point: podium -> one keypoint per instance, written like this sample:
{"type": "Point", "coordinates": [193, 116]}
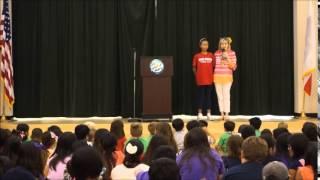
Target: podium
{"type": "Point", "coordinates": [156, 73]}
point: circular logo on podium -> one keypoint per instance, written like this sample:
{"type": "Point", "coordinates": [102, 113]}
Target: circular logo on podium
{"type": "Point", "coordinates": [156, 66]}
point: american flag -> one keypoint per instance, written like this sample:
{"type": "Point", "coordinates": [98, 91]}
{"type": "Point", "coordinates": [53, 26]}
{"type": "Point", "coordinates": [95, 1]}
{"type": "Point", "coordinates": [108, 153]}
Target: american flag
{"type": "Point", "coordinates": [6, 53]}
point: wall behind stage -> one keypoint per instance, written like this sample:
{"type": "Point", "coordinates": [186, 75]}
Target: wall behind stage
{"type": "Point", "coordinates": [74, 57]}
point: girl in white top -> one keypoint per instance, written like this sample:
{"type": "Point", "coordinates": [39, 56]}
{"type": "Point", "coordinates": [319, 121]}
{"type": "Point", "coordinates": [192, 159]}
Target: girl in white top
{"type": "Point", "coordinates": [131, 165]}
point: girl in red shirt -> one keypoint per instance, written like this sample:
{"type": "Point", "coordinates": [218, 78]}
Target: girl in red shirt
{"type": "Point", "coordinates": [202, 66]}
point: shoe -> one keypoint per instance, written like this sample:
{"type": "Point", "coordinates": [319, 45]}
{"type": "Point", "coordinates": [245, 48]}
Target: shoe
{"type": "Point", "coordinates": [199, 116]}
{"type": "Point", "coordinates": [208, 116]}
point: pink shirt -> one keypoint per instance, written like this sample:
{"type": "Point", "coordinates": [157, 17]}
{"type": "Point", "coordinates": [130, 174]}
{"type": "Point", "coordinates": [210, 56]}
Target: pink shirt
{"type": "Point", "coordinates": [223, 73]}
{"type": "Point", "coordinates": [60, 168]}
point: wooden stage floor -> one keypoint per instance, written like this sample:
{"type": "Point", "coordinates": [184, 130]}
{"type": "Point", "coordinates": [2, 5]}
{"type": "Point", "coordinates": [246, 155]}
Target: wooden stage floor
{"type": "Point", "coordinates": [215, 127]}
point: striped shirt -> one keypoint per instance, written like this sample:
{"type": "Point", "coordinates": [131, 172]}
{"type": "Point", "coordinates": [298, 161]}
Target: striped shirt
{"type": "Point", "coordinates": [223, 72]}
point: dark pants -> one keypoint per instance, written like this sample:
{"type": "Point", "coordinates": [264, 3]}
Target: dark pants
{"type": "Point", "coordinates": [204, 96]}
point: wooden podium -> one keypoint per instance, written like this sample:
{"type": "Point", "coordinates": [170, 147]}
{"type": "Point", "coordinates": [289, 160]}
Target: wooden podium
{"type": "Point", "coordinates": [156, 73]}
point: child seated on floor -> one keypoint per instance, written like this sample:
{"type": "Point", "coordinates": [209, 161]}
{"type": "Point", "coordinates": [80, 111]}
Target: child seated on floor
{"type": "Point", "coordinates": [204, 125]}
{"type": "Point", "coordinates": [136, 133]}
{"type": "Point", "coordinates": [223, 140]}
{"type": "Point", "coordinates": [256, 123]}
{"type": "Point", "coordinates": [152, 131]}
{"type": "Point", "coordinates": [179, 133]}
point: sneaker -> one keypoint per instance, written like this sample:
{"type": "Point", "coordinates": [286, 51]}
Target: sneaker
{"type": "Point", "coordinates": [199, 116]}
{"type": "Point", "coordinates": [208, 116]}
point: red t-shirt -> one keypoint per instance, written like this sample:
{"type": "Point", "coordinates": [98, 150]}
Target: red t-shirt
{"type": "Point", "coordinates": [204, 68]}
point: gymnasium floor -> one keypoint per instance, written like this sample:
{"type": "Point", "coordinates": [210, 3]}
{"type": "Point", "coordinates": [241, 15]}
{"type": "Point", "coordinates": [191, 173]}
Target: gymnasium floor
{"type": "Point", "coordinates": [215, 127]}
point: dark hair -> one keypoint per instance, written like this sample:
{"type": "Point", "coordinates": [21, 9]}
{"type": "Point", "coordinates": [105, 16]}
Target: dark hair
{"type": "Point", "coordinates": [63, 149]}
{"type": "Point", "coordinates": [4, 135]}
{"type": "Point", "coordinates": [178, 124]}
{"type": "Point", "coordinates": [165, 130]}
{"type": "Point", "coordinates": [136, 129]}
{"type": "Point", "coordinates": [5, 165]}
{"type": "Point", "coordinates": [299, 143]}
{"type": "Point", "coordinates": [56, 130]}
{"type": "Point", "coordinates": [310, 130]}
{"type": "Point", "coordinates": [311, 157]}
{"type": "Point", "coordinates": [202, 40]}
{"type": "Point", "coordinates": [203, 123]}
{"type": "Point", "coordinates": [241, 127]}
{"type": "Point", "coordinates": [163, 169]}
{"type": "Point", "coordinates": [36, 134]}
{"type": "Point", "coordinates": [164, 151]}
{"type": "Point", "coordinates": [266, 132]}
{"type": "Point", "coordinates": [30, 158]}
{"type": "Point", "coordinates": [234, 144]}
{"type": "Point", "coordinates": [282, 144]}
{"type": "Point", "coordinates": [278, 131]}
{"type": "Point", "coordinates": [85, 163]}
{"type": "Point", "coordinates": [117, 129]}
{"type": "Point", "coordinates": [81, 131]}
{"type": "Point", "coordinates": [132, 159]}
{"type": "Point", "coordinates": [105, 143]}
{"type": "Point", "coordinates": [155, 142]}
{"type": "Point", "coordinates": [47, 139]}
{"type": "Point", "coordinates": [255, 122]}
{"type": "Point", "coordinates": [23, 131]}
{"type": "Point", "coordinates": [196, 144]}
{"type": "Point", "coordinates": [192, 124]}
{"type": "Point", "coordinates": [247, 131]}
{"type": "Point", "coordinates": [254, 149]}
{"type": "Point", "coordinates": [269, 140]}
{"type": "Point", "coordinates": [229, 125]}
{"type": "Point", "coordinates": [12, 147]}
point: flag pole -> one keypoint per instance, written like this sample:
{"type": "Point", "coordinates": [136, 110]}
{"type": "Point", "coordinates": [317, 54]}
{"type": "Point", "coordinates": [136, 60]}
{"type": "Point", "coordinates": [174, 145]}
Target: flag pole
{"type": "Point", "coordinates": [303, 114]}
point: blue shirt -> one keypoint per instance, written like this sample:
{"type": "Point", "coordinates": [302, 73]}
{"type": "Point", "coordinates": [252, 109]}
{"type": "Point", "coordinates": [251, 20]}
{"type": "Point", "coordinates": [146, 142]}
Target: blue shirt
{"type": "Point", "coordinates": [143, 175]}
{"type": "Point", "coordinates": [194, 169]}
{"type": "Point", "coordinates": [245, 171]}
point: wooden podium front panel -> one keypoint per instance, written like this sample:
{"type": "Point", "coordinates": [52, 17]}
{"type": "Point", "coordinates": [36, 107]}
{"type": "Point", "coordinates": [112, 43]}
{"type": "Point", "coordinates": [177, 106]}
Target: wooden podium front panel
{"type": "Point", "coordinates": [156, 97]}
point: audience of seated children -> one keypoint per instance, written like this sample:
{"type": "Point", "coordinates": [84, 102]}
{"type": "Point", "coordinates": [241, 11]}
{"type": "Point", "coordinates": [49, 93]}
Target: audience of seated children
{"type": "Point", "coordinates": [57, 163]}
{"type": "Point", "coordinates": [155, 143]}
{"type": "Point", "coordinates": [297, 147]}
{"type": "Point", "coordinates": [92, 127]}
{"type": "Point", "coordinates": [136, 133]}
{"type": "Point", "coordinates": [163, 151]}
{"type": "Point", "coordinates": [132, 162]}
{"type": "Point", "coordinates": [164, 129]}
{"type": "Point", "coordinates": [192, 124]}
{"type": "Point", "coordinates": [256, 123]}
{"type": "Point", "coordinates": [271, 148]}
{"type": "Point", "coordinates": [282, 152]}
{"type": "Point", "coordinates": [54, 154]}
{"type": "Point", "coordinates": [22, 130]}
{"type": "Point", "coordinates": [247, 131]}
{"type": "Point", "coordinates": [228, 131]}
{"type": "Point", "coordinates": [309, 170]}
{"type": "Point", "coordinates": [82, 132]}
{"type": "Point", "coordinates": [233, 157]}
{"type": "Point", "coordinates": [49, 142]}
{"type": "Point", "coordinates": [117, 129]}
{"type": "Point", "coordinates": [204, 125]}
{"type": "Point", "coordinates": [179, 132]}
{"type": "Point", "coordinates": [254, 150]}
{"type": "Point", "coordinates": [275, 170]}
{"type": "Point", "coordinates": [198, 160]}
{"type": "Point", "coordinates": [36, 137]}
{"type": "Point", "coordinates": [85, 164]}
{"type": "Point", "coordinates": [152, 132]}
{"type": "Point", "coordinates": [310, 130]}
{"type": "Point", "coordinates": [163, 169]}
{"type": "Point", "coordinates": [105, 143]}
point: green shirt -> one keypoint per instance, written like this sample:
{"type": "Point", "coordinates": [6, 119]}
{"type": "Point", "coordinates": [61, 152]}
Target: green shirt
{"type": "Point", "coordinates": [223, 141]}
{"type": "Point", "coordinates": [258, 133]}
